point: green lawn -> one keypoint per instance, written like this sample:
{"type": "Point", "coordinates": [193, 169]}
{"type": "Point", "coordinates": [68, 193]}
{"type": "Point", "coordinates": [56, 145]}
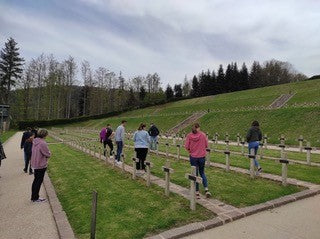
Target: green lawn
{"type": "Point", "coordinates": [126, 208]}
{"type": "Point", "coordinates": [6, 135]}
{"type": "Point", "coordinates": [233, 188]}
{"type": "Point", "coordinates": [292, 122]}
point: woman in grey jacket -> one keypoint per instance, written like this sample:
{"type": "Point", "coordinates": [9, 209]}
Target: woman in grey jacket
{"type": "Point", "coordinates": [141, 140]}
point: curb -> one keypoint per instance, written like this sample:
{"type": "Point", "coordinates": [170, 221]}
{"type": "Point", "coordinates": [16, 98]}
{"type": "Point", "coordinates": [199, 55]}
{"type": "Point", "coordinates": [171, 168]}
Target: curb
{"type": "Point", "coordinates": [63, 226]}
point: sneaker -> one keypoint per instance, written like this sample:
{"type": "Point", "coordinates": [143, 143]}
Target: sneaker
{"type": "Point", "coordinates": [198, 195]}
{"type": "Point", "coordinates": [119, 162]}
{"type": "Point", "coordinates": [208, 194]}
{"type": "Point", "coordinates": [40, 200]}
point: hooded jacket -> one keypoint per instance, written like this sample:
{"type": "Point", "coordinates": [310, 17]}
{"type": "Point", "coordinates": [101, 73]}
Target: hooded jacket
{"type": "Point", "coordinates": [254, 134]}
{"type": "Point", "coordinates": [40, 154]}
{"type": "Point", "coordinates": [196, 144]}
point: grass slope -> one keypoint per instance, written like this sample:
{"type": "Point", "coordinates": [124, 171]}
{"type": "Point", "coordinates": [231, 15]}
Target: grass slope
{"type": "Point", "coordinates": [126, 208]}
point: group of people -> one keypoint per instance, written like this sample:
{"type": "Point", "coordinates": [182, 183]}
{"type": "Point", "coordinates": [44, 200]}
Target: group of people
{"type": "Point", "coordinates": [196, 143]}
{"type": "Point", "coordinates": [36, 155]}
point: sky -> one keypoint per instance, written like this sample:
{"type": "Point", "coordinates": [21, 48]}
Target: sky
{"type": "Point", "coordinates": [171, 37]}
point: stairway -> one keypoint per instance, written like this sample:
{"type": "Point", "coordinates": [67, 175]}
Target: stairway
{"type": "Point", "coordinates": [185, 123]}
{"type": "Point", "coordinates": [280, 101]}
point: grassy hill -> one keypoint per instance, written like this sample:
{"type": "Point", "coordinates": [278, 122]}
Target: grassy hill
{"type": "Point", "coordinates": [233, 113]}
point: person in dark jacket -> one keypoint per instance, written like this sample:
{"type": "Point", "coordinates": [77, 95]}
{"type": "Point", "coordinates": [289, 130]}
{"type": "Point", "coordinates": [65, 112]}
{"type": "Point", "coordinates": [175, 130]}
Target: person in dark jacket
{"type": "Point", "coordinates": [2, 154]}
{"type": "Point", "coordinates": [35, 131]}
{"type": "Point", "coordinates": [108, 139]}
{"type": "Point", "coordinates": [26, 134]}
{"type": "Point", "coordinates": [254, 135]}
{"type": "Point", "coordinates": [28, 152]}
{"type": "Point", "coordinates": [153, 132]}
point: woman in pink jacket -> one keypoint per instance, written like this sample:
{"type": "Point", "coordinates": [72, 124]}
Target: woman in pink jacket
{"type": "Point", "coordinates": [39, 162]}
{"type": "Point", "coordinates": [196, 144]}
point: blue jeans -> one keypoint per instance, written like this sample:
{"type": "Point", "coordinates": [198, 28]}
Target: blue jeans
{"type": "Point", "coordinates": [153, 142]}
{"type": "Point", "coordinates": [119, 150]}
{"type": "Point", "coordinates": [199, 163]}
{"type": "Point", "coordinates": [254, 145]}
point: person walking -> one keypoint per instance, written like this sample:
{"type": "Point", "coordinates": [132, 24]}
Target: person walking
{"type": "Point", "coordinates": [196, 144]}
{"type": "Point", "coordinates": [254, 136]}
{"type": "Point", "coordinates": [34, 130]}
{"type": "Point", "coordinates": [108, 139]}
{"type": "Point", "coordinates": [39, 162]}
{"type": "Point", "coordinates": [26, 134]}
{"type": "Point", "coordinates": [28, 152]}
{"type": "Point", "coordinates": [141, 141]}
{"type": "Point", "coordinates": [119, 137]}
{"type": "Point", "coordinates": [153, 132]}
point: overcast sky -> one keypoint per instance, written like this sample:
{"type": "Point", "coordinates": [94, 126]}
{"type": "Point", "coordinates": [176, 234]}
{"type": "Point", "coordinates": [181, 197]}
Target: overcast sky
{"type": "Point", "coordinates": [173, 37]}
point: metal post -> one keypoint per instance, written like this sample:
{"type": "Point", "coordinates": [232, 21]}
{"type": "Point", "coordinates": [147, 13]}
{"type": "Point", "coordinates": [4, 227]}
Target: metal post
{"type": "Point", "coordinates": [94, 214]}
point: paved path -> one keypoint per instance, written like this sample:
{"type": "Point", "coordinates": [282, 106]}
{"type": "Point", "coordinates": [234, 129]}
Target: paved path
{"type": "Point", "coordinates": [19, 217]}
{"type": "Point", "coordinates": [298, 220]}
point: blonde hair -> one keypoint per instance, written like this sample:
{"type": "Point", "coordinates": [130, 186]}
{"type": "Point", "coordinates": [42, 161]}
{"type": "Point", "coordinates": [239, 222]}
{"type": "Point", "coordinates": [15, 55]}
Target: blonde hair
{"type": "Point", "coordinates": [42, 133]}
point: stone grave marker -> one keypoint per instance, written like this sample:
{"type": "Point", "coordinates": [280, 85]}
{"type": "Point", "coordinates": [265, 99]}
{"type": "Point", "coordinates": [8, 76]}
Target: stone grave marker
{"type": "Point", "coordinates": [178, 151]}
{"type": "Point", "coordinates": [193, 180]}
{"type": "Point", "coordinates": [300, 143]}
{"type": "Point", "coordinates": [308, 149]}
{"type": "Point", "coordinates": [208, 156]}
{"type": "Point", "coordinates": [167, 171]}
{"type": "Point", "coordinates": [252, 157]}
{"type": "Point", "coordinates": [284, 163]}
{"type": "Point", "coordinates": [227, 153]}
{"type": "Point", "coordinates": [134, 169]}
{"type": "Point", "coordinates": [265, 139]}
{"type": "Point", "coordinates": [149, 165]}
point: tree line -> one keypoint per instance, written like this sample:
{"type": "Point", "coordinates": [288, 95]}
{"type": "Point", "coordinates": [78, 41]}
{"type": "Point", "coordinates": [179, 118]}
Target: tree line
{"type": "Point", "coordinates": [232, 79]}
{"type": "Point", "coordinates": [45, 88]}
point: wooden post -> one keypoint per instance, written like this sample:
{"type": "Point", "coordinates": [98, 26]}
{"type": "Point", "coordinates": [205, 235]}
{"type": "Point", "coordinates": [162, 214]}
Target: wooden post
{"type": "Point", "coordinates": [227, 153]}
{"type": "Point", "coordinates": [238, 139]}
{"type": "Point", "coordinates": [282, 146]}
{"type": "Point", "coordinates": [157, 149]}
{"type": "Point", "coordinates": [94, 214]}
{"type": "Point", "coordinates": [167, 170]}
{"type": "Point", "coordinates": [261, 150]}
{"type": "Point", "coordinates": [242, 146]}
{"type": "Point", "coordinates": [178, 151]}
{"type": "Point", "coordinates": [193, 180]}
{"type": "Point", "coordinates": [284, 163]}
{"type": "Point", "coordinates": [300, 143]}
{"type": "Point", "coordinates": [123, 161]}
{"type": "Point", "coordinates": [208, 157]}
{"type": "Point", "coordinates": [227, 144]}
{"type": "Point", "coordinates": [265, 138]}
{"type": "Point", "coordinates": [167, 150]}
{"type": "Point", "coordinates": [148, 166]}
{"type": "Point", "coordinates": [282, 139]}
{"type": "Point", "coordinates": [308, 149]}
{"type": "Point", "coordinates": [134, 169]}
{"type": "Point", "coordinates": [216, 137]}
{"type": "Point", "coordinates": [252, 157]}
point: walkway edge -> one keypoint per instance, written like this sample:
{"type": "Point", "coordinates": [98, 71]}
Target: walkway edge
{"type": "Point", "coordinates": [63, 226]}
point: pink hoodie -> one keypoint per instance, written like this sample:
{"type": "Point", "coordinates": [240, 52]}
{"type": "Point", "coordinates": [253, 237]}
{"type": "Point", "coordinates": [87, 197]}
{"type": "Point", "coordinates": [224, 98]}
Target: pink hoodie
{"type": "Point", "coordinates": [40, 154]}
{"type": "Point", "coordinates": [196, 144]}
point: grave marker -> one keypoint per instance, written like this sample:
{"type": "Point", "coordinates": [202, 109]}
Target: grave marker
{"type": "Point", "coordinates": [227, 153]}
{"type": "Point", "coordinates": [227, 144]}
{"type": "Point", "coordinates": [282, 139]}
{"type": "Point", "coordinates": [265, 138]}
{"type": "Point", "coordinates": [300, 143]}
{"type": "Point", "coordinates": [134, 169]}
{"type": "Point", "coordinates": [167, 150]}
{"type": "Point", "coordinates": [261, 149]}
{"type": "Point", "coordinates": [216, 137]}
{"type": "Point", "coordinates": [242, 146]}
{"type": "Point", "coordinates": [284, 163]}
{"type": "Point", "coordinates": [308, 149]}
{"type": "Point", "coordinates": [238, 139]}
{"type": "Point", "coordinates": [148, 167]}
{"type": "Point", "coordinates": [208, 156]}
{"type": "Point", "coordinates": [193, 180]}
{"type": "Point", "coordinates": [167, 170]}
{"type": "Point", "coordinates": [178, 151]}
{"type": "Point", "coordinates": [282, 146]}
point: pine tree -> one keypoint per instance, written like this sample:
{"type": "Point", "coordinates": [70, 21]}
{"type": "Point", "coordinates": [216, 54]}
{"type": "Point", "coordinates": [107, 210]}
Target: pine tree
{"type": "Point", "coordinates": [195, 87]}
{"type": "Point", "coordinates": [228, 79]}
{"type": "Point", "coordinates": [169, 92]}
{"type": "Point", "coordinates": [244, 78]}
{"type": "Point", "coordinates": [10, 68]}
{"type": "Point", "coordinates": [178, 90]}
{"type": "Point", "coordinates": [142, 93]}
{"type": "Point", "coordinates": [255, 77]}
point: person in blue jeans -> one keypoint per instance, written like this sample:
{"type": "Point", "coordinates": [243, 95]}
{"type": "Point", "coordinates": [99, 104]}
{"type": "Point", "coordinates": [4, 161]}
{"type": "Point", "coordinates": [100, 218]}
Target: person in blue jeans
{"type": "Point", "coordinates": [119, 137]}
{"type": "Point", "coordinates": [254, 136]}
{"type": "Point", "coordinates": [196, 144]}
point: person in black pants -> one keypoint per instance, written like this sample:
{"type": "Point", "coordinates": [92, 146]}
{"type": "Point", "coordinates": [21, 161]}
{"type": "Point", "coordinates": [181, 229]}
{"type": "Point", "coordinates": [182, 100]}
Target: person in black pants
{"type": "Point", "coordinates": [39, 162]}
{"type": "Point", "coordinates": [141, 140]}
{"type": "Point", "coordinates": [28, 151]}
{"type": "Point", "coordinates": [108, 139]}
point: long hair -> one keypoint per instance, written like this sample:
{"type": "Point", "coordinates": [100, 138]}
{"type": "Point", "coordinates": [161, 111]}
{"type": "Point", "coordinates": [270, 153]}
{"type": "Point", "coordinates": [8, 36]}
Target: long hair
{"type": "Point", "coordinates": [195, 127]}
{"type": "Point", "coordinates": [141, 126]}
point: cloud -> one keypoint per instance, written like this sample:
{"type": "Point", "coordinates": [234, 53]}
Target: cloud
{"type": "Point", "coordinates": [173, 37]}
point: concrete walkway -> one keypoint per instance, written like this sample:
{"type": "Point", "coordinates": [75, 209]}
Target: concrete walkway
{"type": "Point", "coordinates": [19, 217]}
{"type": "Point", "coordinates": [298, 220]}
